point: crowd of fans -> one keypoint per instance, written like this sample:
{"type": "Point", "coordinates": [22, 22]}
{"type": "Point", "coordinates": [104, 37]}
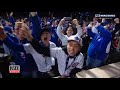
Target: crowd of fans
{"type": "Point", "coordinates": [47, 47]}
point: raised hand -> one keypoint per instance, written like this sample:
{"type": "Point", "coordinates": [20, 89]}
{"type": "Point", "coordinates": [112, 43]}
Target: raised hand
{"type": "Point", "coordinates": [62, 22]}
{"type": "Point", "coordinates": [18, 25]}
{"type": "Point", "coordinates": [90, 25]}
{"type": "Point", "coordinates": [33, 13]}
{"type": "Point", "coordinates": [26, 34]}
{"type": "Point", "coordinates": [103, 20]}
{"type": "Point", "coordinates": [75, 21]}
{"type": "Point", "coordinates": [11, 14]}
{"type": "Point", "coordinates": [96, 24]}
{"type": "Point", "coordinates": [2, 34]}
{"type": "Point", "coordinates": [116, 20]}
{"type": "Point", "coordinates": [1, 30]}
{"type": "Point", "coordinates": [24, 26]}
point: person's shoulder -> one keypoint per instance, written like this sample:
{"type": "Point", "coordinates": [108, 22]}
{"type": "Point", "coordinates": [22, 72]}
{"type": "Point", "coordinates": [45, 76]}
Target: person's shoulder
{"type": "Point", "coordinates": [52, 43]}
{"type": "Point", "coordinates": [27, 44]}
{"type": "Point", "coordinates": [81, 55]}
{"type": "Point", "coordinates": [66, 36]}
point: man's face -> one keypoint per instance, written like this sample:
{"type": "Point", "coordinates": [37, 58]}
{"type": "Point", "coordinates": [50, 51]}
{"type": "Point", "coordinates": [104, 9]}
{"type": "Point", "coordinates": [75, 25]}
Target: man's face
{"type": "Point", "coordinates": [56, 23]}
{"type": "Point", "coordinates": [45, 37]}
{"type": "Point", "coordinates": [18, 29]}
{"type": "Point", "coordinates": [53, 23]}
{"type": "Point", "coordinates": [95, 19]}
{"type": "Point", "coordinates": [18, 33]}
{"type": "Point", "coordinates": [69, 31]}
{"type": "Point", "coordinates": [108, 26]}
{"type": "Point", "coordinates": [72, 48]}
{"type": "Point", "coordinates": [18, 26]}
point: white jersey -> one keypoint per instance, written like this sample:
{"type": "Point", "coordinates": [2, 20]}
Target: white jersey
{"type": "Point", "coordinates": [64, 38]}
{"type": "Point", "coordinates": [61, 59]}
{"type": "Point", "coordinates": [43, 63]}
{"type": "Point", "coordinates": [94, 30]}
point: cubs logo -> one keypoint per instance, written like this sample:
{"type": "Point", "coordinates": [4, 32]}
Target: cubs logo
{"type": "Point", "coordinates": [76, 38]}
{"type": "Point", "coordinates": [75, 64]}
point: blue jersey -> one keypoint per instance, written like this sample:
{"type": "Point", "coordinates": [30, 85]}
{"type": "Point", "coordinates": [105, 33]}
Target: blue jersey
{"type": "Point", "coordinates": [98, 45]}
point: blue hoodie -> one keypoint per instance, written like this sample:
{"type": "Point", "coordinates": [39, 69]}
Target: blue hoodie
{"type": "Point", "coordinates": [98, 45]}
{"type": "Point", "coordinates": [36, 27]}
{"type": "Point", "coordinates": [26, 61]}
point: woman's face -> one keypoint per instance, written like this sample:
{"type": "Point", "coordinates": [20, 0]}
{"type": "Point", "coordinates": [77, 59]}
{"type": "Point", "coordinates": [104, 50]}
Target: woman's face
{"type": "Point", "coordinates": [69, 31]}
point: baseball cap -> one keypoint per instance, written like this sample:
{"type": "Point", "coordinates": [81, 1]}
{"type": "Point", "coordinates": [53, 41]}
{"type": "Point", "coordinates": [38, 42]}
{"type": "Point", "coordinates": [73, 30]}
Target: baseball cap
{"type": "Point", "coordinates": [44, 30]}
{"type": "Point", "coordinates": [75, 38]}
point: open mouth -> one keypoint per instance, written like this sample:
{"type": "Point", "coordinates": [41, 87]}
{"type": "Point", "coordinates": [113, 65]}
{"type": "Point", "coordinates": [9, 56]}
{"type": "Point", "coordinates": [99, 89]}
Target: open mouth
{"type": "Point", "coordinates": [45, 38]}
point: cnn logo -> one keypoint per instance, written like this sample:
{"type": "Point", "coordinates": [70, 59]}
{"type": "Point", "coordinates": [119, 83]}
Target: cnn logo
{"type": "Point", "coordinates": [14, 69]}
